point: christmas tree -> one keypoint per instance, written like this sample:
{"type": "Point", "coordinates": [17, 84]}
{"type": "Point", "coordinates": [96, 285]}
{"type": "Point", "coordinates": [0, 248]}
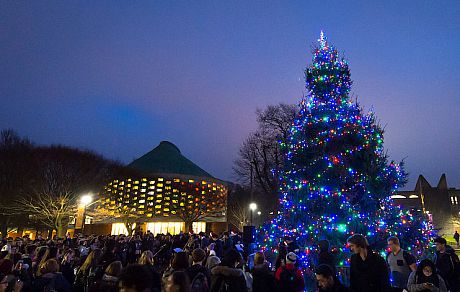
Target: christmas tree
{"type": "Point", "coordinates": [337, 179]}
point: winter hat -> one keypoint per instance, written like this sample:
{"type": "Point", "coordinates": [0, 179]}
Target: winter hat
{"type": "Point", "coordinates": [291, 258]}
{"type": "Point", "coordinates": [212, 262]}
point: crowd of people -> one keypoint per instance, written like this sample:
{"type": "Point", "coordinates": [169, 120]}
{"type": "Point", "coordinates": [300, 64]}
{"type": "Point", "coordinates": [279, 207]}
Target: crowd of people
{"type": "Point", "coordinates": [210, 263]}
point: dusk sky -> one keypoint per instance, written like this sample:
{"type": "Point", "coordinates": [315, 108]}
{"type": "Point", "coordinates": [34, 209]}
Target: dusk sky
{"type": "Point", "coordinates": [119, 78]}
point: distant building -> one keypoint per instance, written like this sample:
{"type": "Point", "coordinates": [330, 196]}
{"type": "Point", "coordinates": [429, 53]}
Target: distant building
{"type": "Point", "coordinates": [441, 203]}
{"type": "Point", "coordinates": [168, 188]}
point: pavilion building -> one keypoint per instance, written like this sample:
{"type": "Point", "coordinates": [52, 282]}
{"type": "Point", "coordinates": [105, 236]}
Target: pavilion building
{"type": "Point", "coordinates": [170, 195]}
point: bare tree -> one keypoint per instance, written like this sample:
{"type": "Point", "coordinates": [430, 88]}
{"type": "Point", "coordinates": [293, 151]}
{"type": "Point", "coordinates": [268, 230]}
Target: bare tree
{"type": "Point", "coordinates": [194, 206]}
{"type": "Point", "coordinates": [62, 175]}
{"type": "Point", "coordinates": [122, 213]}
{"type": "Point", "coordinates": [261, 156]}
{"type": "Point", "coordinates": [238, 214]}
{"type": "Point", "coordinates": [15, 173]}
{"type": "Point", "coordinates": [238, 206]}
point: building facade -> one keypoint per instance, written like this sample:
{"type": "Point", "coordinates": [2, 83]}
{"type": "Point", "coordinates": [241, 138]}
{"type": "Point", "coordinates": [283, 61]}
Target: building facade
{"type": "Point", "coordinates": [441, 203]}
{"type": "Point", "coordinates": [171, 194]}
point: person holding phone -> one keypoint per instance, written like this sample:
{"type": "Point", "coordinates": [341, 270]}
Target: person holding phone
{"type": "Point", "coordinates": [425, 278]}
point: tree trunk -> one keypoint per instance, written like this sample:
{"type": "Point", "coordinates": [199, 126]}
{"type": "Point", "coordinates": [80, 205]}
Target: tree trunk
{"type": "Point", "coordinates": [4, 226]}
{"type": "Point", "coordinates": [129, 227]}
{"type": "Point", "coordinates": [61, 228]}
{"type": "Point", "coordinates": [188, 226]}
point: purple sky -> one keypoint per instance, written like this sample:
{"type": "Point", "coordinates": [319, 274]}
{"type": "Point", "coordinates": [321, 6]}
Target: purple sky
{"type": "Point", "coordinates": [118, 78]}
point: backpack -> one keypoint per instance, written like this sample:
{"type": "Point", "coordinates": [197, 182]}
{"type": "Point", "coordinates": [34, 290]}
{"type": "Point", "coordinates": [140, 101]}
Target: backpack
{"type": "Point", "coordinates": [288, 280]}
{"type": "Point", "coordinates": [222, 284]}
{"type": "Point", "coordinates": [199, 283]}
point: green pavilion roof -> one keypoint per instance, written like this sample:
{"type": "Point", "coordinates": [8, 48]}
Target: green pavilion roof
{"type": "Point", "coordinates": [167, 158]}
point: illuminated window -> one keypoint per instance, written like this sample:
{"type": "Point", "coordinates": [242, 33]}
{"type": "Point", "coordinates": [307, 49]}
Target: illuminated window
{"type": "Point", "coordinates": [119, 228]}
{"type": "Point", "coordinates": [198, 227]}
{"type": "Point", "coordinates": [398, 197]}
{"type": "Point", "coordinates": [165, 227]}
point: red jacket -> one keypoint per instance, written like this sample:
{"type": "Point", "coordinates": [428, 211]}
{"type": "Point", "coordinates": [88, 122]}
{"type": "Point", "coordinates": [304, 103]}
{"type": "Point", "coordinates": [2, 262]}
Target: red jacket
{"type": "Point", "coordinates": [299, 281]}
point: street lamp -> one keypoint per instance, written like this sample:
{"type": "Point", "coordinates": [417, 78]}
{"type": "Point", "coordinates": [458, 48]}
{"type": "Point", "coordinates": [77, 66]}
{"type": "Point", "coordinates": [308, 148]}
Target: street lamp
{"type": "Point", "coordinates": [252, 207]}
{"type": "Point", "coordinates": [85, 201]}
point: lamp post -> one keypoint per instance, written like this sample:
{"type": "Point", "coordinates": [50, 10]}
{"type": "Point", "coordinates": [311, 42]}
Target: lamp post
{"type": "Point", "coordinates": [85, 201]}
{"type": "Point", "coordinates": [252, 207]}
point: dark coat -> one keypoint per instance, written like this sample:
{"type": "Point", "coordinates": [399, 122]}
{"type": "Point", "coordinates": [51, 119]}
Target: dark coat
{"type": "Point", "coordinates": [338, 287]}
{"type": "Point", "coordinates": [106, 284]}
{"type": "Point", "coordinates": [232, 277]}
{"type": "Point", "coordinates": [445, 264]}
{"type": "Point", "coordinates": [51, 281]}
{"type": "Point", "coordinates": [370, 275]}
{"type": "Point", "coordinates": [195, 270]}
{"type": "Point", "coordinates": [218, 248]}
{"type": "Point", "coordinates": [263, 279]}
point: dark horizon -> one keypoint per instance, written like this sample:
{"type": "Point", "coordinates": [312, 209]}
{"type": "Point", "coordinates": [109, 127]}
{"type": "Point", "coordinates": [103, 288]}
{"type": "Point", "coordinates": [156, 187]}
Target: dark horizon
{"type": "Point", "coordinates": [120, 79]}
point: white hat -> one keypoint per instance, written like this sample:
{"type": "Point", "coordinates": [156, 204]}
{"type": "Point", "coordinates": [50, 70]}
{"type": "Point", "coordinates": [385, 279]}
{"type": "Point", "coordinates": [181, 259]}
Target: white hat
{"type": "Point", "coordinates": [7, 248]}
{"type": "Point", "coordinates": [291, 258]}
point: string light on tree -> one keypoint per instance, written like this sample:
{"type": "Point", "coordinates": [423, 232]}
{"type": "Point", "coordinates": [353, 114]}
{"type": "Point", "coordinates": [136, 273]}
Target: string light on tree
{"type": "Point", "coordinates": [337, 178]}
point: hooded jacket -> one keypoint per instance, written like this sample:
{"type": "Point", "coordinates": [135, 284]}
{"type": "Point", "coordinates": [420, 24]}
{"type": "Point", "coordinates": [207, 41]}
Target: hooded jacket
{"type": "Point", "coordinates": [232, 278]}
{"type": "Point", "coordinates": [263, 279]}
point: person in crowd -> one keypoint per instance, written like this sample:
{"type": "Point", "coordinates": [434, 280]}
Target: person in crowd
{"type": "Point", "coordinates": [457, 237]}
{"type": "Point", "coordinates": [368, 270]}
{"type": "Point", "coordinates": [447, 264]}
{"type": "Point", "coordinates": [263, 278]}
{"type": "Point", "coordinates": [291, 244]}
{"type": "Point", "coordinates": [68, 265]}
{"type": "Point", "coordinates": [10, 283]}
{"type": "Point", "coordinates": [325, 256]}
{"type": "Point", "coordinates": [212, 259]}
{"type": "Point", "coordinates": [178, 263]}
{"type": "Point", "coordinates": [281, 258]}
{"type": "Point", "coordinates": [21, 270]}
{"type": "Point", "coordinates": [51, 279]}
{"type": "Point", "coordinates": [226, 277]}
{"type": "Point", "coordinates": [401, 264]}
{"type": "Point", "coordinates": [109, 281]}
{"type": "Point", "coordinates": [204, 240]}
{"type": "Point", "coordinates": [135, 278]}
{"type": "Point", "coordinates": [327, 281]}
{"type": "Point", "coordinates": [89, 271]}
{"type": "Point", "coordinates": [288, 277]}
{"type": "Point", "coordinates": [425, 279]}
{"type": "Point", "coordinates": [6, 266]}
{"type": "Point", "coordinates": [109, 254]}
{"type": "Point", "coordinates": [199, 275]}
{"type": "Point", "coordinates": [218, 247]}
{"type": "Point", "coordinates": [178, 282]}
{"type": "Point", "coordinates": [227, 242]}
{"type": "Point", "coordinates": [146, 259]}
{"type": "Point", "coordinates": [29, 254]}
